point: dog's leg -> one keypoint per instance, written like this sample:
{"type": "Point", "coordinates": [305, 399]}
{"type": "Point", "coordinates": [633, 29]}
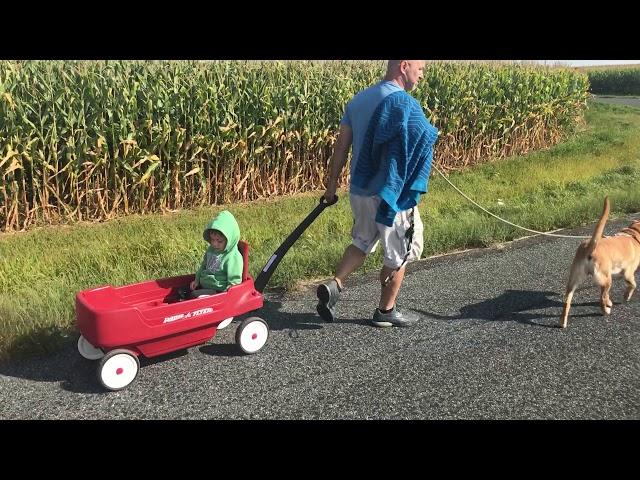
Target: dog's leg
{"type": "Point", "coordinates": [631, 284]}
{"type": "Point", "coordinates": [605, 286]}
{"type": "Point", "coordinates": [567, 305]}
{"type": "Point", "coordinates": [575, 278]}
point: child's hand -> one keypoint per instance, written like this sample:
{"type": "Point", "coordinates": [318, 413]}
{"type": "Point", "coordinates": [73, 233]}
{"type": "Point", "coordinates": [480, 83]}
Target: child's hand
{"type": "Point", "coordinates": [193, 285]}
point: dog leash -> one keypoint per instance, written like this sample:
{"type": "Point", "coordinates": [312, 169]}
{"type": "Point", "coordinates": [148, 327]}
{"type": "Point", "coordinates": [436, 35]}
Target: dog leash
{"type": "Point", "coordinates": [409, 233]}
{"type": "Point", "coordinates": [507, 221]}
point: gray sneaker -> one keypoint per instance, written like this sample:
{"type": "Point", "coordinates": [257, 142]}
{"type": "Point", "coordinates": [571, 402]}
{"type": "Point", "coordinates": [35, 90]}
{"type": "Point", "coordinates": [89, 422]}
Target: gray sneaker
{"type": "Point", "coordinates": [328, 295]}
{"type": "Point", "coordinates": [394, 318]}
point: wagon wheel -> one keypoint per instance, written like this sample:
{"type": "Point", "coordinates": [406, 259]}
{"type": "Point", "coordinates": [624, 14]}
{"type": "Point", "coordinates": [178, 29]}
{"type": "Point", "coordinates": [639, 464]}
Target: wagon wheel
{"type": "Point", "coordinates": [88, 351]}
{"type": "Point", "coordinates": [252, 334]}
{"type": "Point", "coordinates": [224, 323]}
{"type": "Point", "coordinates": [117, 369]}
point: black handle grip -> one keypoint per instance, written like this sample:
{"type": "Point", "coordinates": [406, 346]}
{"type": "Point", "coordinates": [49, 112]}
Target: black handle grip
{"type": "Point", "coordinates": [328, 204]}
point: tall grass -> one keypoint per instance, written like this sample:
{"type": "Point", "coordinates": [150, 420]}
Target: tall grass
{"type": "Point", "coordinates": [90, 140]}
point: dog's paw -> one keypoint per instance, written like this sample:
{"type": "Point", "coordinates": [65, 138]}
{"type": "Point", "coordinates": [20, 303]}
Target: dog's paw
{"type": "Point", "coordinates": [606, 310]}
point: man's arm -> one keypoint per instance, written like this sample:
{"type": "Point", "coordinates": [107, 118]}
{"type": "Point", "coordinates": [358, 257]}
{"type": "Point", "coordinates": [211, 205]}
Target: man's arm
{"type": "Point", "coordinates": [339, 158]}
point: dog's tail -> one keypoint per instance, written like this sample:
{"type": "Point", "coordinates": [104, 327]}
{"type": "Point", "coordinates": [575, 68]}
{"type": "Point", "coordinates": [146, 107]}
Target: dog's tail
{"type": "Point", "coordinates": [597, 233]}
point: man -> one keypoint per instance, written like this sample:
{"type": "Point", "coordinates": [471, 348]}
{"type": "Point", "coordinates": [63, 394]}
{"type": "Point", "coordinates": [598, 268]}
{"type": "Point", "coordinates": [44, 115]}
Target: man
{"type": "Point", "coordinates": [391, 160]}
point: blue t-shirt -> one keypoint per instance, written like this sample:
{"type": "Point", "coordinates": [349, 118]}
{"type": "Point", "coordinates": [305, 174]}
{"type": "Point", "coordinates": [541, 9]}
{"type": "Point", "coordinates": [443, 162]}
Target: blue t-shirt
{"type": "Point", "coordinates": [357, 115]}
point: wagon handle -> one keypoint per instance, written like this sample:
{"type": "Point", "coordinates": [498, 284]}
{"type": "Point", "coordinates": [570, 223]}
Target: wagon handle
{"type": "Point", "coordinates": [274, 260]}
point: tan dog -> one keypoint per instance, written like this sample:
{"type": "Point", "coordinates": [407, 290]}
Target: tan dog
{"type": "Point", "coordinates": [602, 258]}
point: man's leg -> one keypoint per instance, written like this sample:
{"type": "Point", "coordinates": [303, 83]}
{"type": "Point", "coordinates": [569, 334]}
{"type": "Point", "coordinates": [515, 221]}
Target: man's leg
{"type": "Point", "coordinates": [387, 314]}
{"type": "Point", "coordinates": [328, 293]}
{"type": "Point", "coordinates": [395, 247]}
{"type": "Point", "coordinates": [364, 236]}
{"type": "Point", "coordinates": [390, 292]}
{"type": "Point", "coordinates": [352, 259]}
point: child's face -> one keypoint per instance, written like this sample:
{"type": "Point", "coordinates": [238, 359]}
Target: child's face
{"type": "Point", "coordinates": [218, 240]}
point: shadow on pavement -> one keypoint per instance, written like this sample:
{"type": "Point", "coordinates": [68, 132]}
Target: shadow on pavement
{"type": "Point", "coordinates": [514, 305]}
{"type": "Point", "coordinates": [75, 373]}
{"type": "Point", "coordinates": [277, 321]}
{"type": "Point", "coordinates": [79, 375]}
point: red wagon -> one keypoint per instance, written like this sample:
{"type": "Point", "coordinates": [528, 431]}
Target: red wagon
{"type": "Point", "coordinates": [118, 324]}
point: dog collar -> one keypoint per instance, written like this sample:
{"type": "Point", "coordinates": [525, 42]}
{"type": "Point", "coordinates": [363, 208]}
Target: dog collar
{"type": "Point", "coordinates": [626, 231]}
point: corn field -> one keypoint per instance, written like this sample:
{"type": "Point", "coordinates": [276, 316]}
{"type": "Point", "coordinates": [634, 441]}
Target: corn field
{"type": "Point", "coordinates": [90, 140]}
{"type": "Point", "coordinates": [615, 80]}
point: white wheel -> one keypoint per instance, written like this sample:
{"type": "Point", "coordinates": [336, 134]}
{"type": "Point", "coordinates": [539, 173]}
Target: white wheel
{"type": "Point", "coordinates": [252, 334]}
{"type": "Point", "coordinates": [88, 351]}
{"type": "Point", "coordinates": [117, 369]}
{"type": "Point", "coordinates": [225, 323]}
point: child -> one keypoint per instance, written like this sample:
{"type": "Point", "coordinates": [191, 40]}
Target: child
{"type": "Point", "coordinates": [222, 263]}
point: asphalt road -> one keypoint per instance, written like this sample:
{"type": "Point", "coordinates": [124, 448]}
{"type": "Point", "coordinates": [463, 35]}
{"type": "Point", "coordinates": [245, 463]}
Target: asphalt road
{"type": "Point", "coordinates": [629, 101]}
{"type": "Point", "coordinates": [487, 347]}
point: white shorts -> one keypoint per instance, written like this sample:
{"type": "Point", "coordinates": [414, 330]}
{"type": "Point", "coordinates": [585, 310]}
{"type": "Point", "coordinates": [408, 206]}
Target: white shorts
{"type": "Point", "coordinates": [366, 232]}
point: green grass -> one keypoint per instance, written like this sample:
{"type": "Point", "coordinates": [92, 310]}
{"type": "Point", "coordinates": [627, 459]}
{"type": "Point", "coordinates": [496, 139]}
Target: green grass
{"type": "Point", "coordinates": [41, 270]}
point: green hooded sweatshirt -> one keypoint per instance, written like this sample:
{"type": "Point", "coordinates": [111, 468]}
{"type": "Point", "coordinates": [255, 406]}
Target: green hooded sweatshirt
{"type": "Point", "coordinates": [220, 270]}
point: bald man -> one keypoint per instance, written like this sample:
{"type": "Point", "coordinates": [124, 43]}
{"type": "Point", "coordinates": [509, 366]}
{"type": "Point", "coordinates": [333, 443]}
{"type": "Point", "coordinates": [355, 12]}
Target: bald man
{"type": "Point", "coordinates": [386, 177]}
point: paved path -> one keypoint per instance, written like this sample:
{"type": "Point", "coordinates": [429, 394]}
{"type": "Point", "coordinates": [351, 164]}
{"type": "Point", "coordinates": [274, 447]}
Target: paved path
{"type": "Point", "coordinates": [629, 101]}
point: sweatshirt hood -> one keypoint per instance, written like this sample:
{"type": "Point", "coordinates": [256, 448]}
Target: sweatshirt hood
{"type": "Point", "coordinates": [226, 223]}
